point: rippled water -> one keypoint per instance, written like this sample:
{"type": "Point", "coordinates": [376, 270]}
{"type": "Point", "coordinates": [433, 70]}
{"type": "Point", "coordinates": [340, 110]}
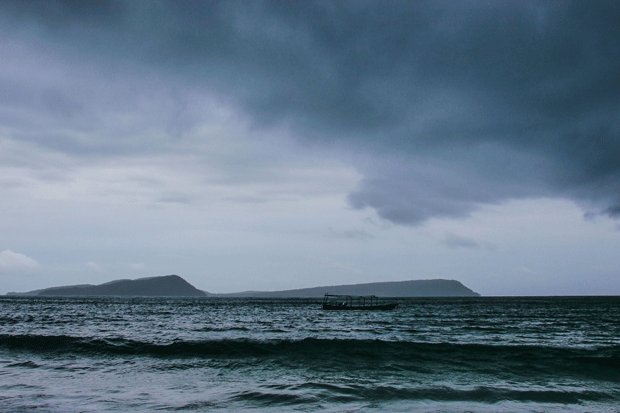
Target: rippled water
{"type": "Point", "coordinates": [435, 355]}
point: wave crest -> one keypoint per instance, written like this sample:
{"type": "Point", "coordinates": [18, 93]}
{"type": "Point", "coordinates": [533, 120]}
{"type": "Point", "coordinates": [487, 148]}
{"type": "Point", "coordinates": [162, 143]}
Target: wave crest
{"type": "Point", "coordinates": [602, 363]}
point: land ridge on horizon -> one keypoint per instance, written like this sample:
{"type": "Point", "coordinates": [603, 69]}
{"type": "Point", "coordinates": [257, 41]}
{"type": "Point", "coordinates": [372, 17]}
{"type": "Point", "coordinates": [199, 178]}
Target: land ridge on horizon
{"type": "Point", "coordinates": [176, 286]}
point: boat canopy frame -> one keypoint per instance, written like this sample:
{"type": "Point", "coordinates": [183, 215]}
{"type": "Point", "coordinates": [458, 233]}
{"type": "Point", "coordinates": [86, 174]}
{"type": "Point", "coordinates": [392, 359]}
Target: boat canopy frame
{"type": "Point", "coordinates": [350, 300]}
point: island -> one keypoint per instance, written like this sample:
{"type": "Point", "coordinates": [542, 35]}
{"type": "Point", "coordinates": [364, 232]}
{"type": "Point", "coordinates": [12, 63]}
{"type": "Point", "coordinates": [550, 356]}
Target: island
{"type": "Point", "coordinates": [411, 288]}
{"type": "Point", "coordinates": [162, 286]}
{"type": "Point", "coordinates": [176, 286]}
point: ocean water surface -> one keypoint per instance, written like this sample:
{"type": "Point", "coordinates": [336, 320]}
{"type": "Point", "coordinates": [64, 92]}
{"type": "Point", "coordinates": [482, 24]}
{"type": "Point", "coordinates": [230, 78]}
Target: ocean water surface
{"type": "Point", "coordinates": [434, 355]}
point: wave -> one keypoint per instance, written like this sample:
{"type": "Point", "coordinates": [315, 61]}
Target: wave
{"type": "Point", "coordinates": [393, 356]}
{"type": "Point", "coordinates": [312, 392]}
{"type": "Point", "coordinates": [28, 364]}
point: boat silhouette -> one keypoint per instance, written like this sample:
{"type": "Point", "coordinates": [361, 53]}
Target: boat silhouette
{"type": "Point", "coordinates": [355, 302]}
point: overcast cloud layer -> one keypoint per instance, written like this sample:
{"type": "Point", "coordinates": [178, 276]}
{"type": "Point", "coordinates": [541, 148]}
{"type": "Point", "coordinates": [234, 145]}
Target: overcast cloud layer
{"type": "Point", "coordinates": [479, 101]}
{"type": "Point", "coordinates": [416, 110]}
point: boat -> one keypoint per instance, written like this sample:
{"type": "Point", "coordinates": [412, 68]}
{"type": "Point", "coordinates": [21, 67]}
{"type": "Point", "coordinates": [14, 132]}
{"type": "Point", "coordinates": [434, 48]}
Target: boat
{"type": "Point", "coordinates": [355, 302]}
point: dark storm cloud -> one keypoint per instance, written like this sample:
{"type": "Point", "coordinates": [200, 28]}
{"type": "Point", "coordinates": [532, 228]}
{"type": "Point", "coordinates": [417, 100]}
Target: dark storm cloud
{"type": "Point", "coordinates": [445, 105]}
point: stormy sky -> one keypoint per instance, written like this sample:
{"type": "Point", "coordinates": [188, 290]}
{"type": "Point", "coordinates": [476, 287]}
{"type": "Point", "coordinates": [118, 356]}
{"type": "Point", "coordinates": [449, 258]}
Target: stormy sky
{"type": "Point", "coordinates": [285, 144]}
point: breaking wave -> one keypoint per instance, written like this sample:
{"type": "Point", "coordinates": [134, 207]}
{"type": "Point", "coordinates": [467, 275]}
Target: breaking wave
{"type": "Point", "coordinates": [602, 363]}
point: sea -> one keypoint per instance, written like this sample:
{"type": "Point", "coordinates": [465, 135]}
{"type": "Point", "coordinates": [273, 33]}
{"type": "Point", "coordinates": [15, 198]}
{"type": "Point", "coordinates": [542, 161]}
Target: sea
{"type": "Point", "coordinates": [547, 354]}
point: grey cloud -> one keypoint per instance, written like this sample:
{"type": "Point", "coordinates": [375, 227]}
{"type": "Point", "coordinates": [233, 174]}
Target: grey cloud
{"type": "Point", "coordinates": [176, 198]}
{"type": "Point", "coordinates": [354, 234]}
{"type": "Point", "coordinates": [457, 241]}
{"type": "Point", "coordinates": [453, 241]}
{"type": "Point", "coordinates": [247, 199]}
{"type": "Point", "coordinates": [480, 102]}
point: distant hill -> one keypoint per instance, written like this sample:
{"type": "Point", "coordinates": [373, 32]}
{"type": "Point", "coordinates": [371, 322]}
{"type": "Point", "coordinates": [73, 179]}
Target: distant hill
{"type": "Point", "coordinates": [175, 286]}
{"type": "Point", "coordinates": [413, 288]}
{"type": "Point", "coordinates": [163, 286]}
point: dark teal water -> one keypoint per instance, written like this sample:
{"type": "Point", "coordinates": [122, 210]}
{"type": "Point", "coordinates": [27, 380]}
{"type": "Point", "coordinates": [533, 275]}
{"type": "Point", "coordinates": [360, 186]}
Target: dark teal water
{"type": "Point", "coordinates": [432, 355]}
